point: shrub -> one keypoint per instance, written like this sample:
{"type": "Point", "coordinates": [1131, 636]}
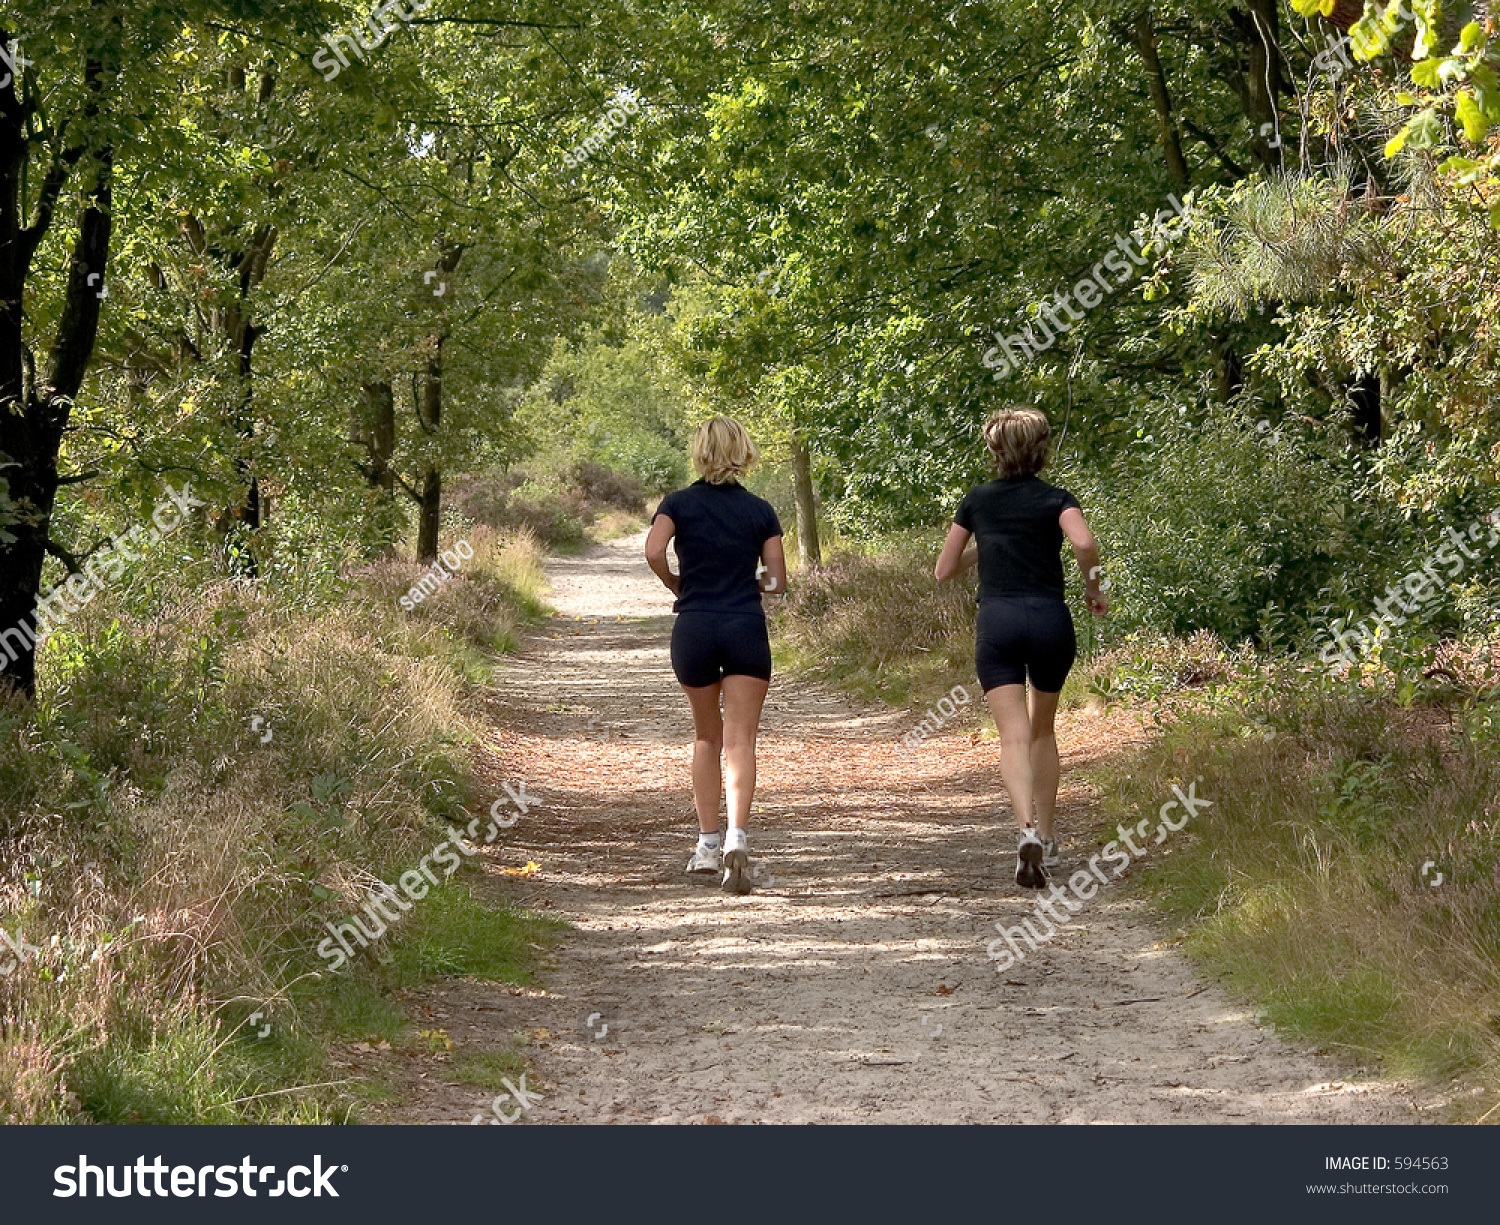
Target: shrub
{"type": "Point", "coordinates": [1214, 525]}
{"type": "Point", "coordinates": [600, 486]}
{"type": "Point", "coordinates": [881, 623]}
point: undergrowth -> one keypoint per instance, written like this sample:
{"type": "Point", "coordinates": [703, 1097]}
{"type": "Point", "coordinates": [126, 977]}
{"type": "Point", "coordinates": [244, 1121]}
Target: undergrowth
{"type": "Point", "coordinates": [1347, 877]}
{"type": "Point", "coordinates": [213, 770]}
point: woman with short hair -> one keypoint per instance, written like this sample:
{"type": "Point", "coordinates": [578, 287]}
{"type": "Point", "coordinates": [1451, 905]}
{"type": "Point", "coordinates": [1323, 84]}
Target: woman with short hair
{"type": "Point", "coordinates": [721, 652]}
{"type": "Point", "coordinates": [1024, 631]}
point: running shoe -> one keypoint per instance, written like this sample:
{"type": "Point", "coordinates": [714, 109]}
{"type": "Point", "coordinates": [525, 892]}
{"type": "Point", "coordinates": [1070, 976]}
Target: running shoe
{"type": "Point", "coordinates": [1050, 857]}
{"type": "Point", "coordinates": [1029, 874]}
{"type": "Point", "coordinates": [706, 859]}
{"type": "Point", "coordinates": [736, 862]}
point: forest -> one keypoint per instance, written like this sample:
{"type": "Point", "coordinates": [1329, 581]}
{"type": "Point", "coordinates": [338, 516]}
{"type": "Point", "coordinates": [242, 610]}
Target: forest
{"type": "Point", "coordinates": [326, 330]}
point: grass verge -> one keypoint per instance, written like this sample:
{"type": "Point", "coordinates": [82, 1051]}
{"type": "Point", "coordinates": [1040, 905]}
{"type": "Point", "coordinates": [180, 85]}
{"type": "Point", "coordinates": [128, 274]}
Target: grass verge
{"type": "Point", "coordinates": [214, 771]}
{"type": "Point", "coordinates": [1346, 878]}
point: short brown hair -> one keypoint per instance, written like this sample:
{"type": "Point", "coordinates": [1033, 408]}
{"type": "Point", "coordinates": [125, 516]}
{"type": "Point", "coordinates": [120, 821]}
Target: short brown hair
{"type": "Point", "coordinates": [722, 450]}
{"type": "Point", "coordinates": [1018, 440]}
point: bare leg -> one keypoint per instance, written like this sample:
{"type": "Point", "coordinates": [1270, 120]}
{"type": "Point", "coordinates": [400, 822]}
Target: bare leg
{"type": "Point", "coordinates": [708, 743]}
{"type": "Point", "coordinates": [1045, 766]}
{"type": "Point", "coordinates": [743, 698]}
{"type": "Point", "coordinates": [1008, 706]}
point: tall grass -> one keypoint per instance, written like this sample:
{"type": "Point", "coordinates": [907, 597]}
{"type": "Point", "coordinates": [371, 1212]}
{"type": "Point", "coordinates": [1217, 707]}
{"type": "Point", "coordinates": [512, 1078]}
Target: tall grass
{"type": "Point", "coordinates": [879, 625]}
{"type": "Point", "coordinates": [198, 789]}
{"type": "Point", "coordinates": [1347, 878]}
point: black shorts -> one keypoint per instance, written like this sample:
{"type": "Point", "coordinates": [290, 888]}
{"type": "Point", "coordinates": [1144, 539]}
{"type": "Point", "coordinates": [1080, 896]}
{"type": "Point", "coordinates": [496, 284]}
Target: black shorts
{"type": "Point", "coordinates": [708, 646]}
{"type": "Point", "coordinates": [1021, 637]}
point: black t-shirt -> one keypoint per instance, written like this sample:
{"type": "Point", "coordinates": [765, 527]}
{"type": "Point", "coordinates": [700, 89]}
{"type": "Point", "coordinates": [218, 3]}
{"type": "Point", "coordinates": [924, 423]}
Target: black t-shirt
{"type": "Point", "coordinates": [1016, 525]}
{"type": "Point", "coordinates": [720, 532]}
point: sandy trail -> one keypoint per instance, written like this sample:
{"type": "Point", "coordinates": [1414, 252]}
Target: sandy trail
{"type": "Point", "coordinates": [854, 985]}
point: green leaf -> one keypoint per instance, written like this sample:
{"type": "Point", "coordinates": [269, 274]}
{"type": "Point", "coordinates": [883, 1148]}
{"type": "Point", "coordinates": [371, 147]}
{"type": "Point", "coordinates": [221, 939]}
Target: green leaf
{"type": "Point", "coordinates": [1466, 168]}
{"type": "Point", "coordinates": [1425, 73]}
{"type": "Point", "coordinates": [1476, 124]}
{"type": "Point", "coordinates": [1367, 39]}
{"type": "Point", "coordinates": [1472, 38]}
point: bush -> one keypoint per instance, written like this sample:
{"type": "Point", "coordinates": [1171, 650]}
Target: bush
{"type": "Point", "coordinates": [601, 486]}
{"type": "Point", "coordinates": [1213, 525]}
{"type": "Point", "coordinates": [514, 503]}
{"type": "Point", "coordinates": [557, 507]}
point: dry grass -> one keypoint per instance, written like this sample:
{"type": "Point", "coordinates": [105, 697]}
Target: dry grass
{"type": "Point", "coordinates": [1347, 878]}
{"type": "Point", "coordinates": [196, 793]}
{"type": "Point", "coordinates": [879, 625]}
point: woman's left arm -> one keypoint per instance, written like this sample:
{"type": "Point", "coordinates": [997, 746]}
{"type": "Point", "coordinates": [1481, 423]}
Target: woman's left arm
{"type": "Point", "coordinates": [773, 558]}
{"type": "Point", "coordinates": [953, 561]}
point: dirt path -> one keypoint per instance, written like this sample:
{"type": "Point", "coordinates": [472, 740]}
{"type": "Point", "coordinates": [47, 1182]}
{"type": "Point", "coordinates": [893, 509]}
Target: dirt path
{"type": "Point", "coordinates": [854, 985]}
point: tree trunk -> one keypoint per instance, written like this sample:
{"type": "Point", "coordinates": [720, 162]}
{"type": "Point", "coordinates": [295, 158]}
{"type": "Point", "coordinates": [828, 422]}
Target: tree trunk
{"type": "Point", "coordinates": [372, 427]}
{"type": "Point", "coordinates": [33, 419]}
{"type": "Point", "coordinates": [1156, 83]}
{"type": "Point", "coordinates": [430, 417]}
{"type": "Point", "coordinates": [1259, 29]}
{"type": "Point", "coordinates": [808, 548]}
{"type": "Point", "coordinates": [1231, 370]}
{"type": "Point", "coordinates": [1366, 403]}
{"type": "Point", "coordinates": [240, 332]}
{"type": "Point", "coordinates": [380, 399]}
{"type": "Point", "coordinates": [430, 503]}
{"type": "Point", "coordinates": [430, 515]}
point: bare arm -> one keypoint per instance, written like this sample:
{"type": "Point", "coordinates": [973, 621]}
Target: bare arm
{"type": "Point", "coordinates": [953, 560]}
{"type": "Point", "coordinates": [1086, 550]}
{"type": "Point", "coordinates": [773, 558]}
{"type": "Point", "coordinates": [662, 530]}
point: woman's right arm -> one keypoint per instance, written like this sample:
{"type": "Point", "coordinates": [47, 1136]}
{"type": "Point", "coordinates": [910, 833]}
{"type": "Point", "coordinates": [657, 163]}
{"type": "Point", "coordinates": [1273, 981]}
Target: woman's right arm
{"type": "Point", "coordinates": [662, 530]}
{"type": "Point", "coordinates": [953, 561]}
{"type": "Point", "coordinates": [1086, 550]}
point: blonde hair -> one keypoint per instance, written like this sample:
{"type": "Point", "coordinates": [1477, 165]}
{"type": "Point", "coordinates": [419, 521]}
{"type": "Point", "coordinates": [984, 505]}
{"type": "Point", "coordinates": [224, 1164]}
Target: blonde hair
{"type": "Point", "coordinates": [1018, 439]}
{"type": "Point", "coordinates": [722, 451]}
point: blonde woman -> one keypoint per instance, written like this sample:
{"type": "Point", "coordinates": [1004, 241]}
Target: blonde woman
{"type": "Point", "coordinates": [721, 653]}
{"type": "Point", "coordinates": [1025, 631]}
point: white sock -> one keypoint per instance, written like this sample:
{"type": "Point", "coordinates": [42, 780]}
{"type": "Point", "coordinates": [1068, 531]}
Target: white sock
{"type": "Point", "coordinates": [708, 841]}
{"type": "Point", "coordinates": [735, 839]}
